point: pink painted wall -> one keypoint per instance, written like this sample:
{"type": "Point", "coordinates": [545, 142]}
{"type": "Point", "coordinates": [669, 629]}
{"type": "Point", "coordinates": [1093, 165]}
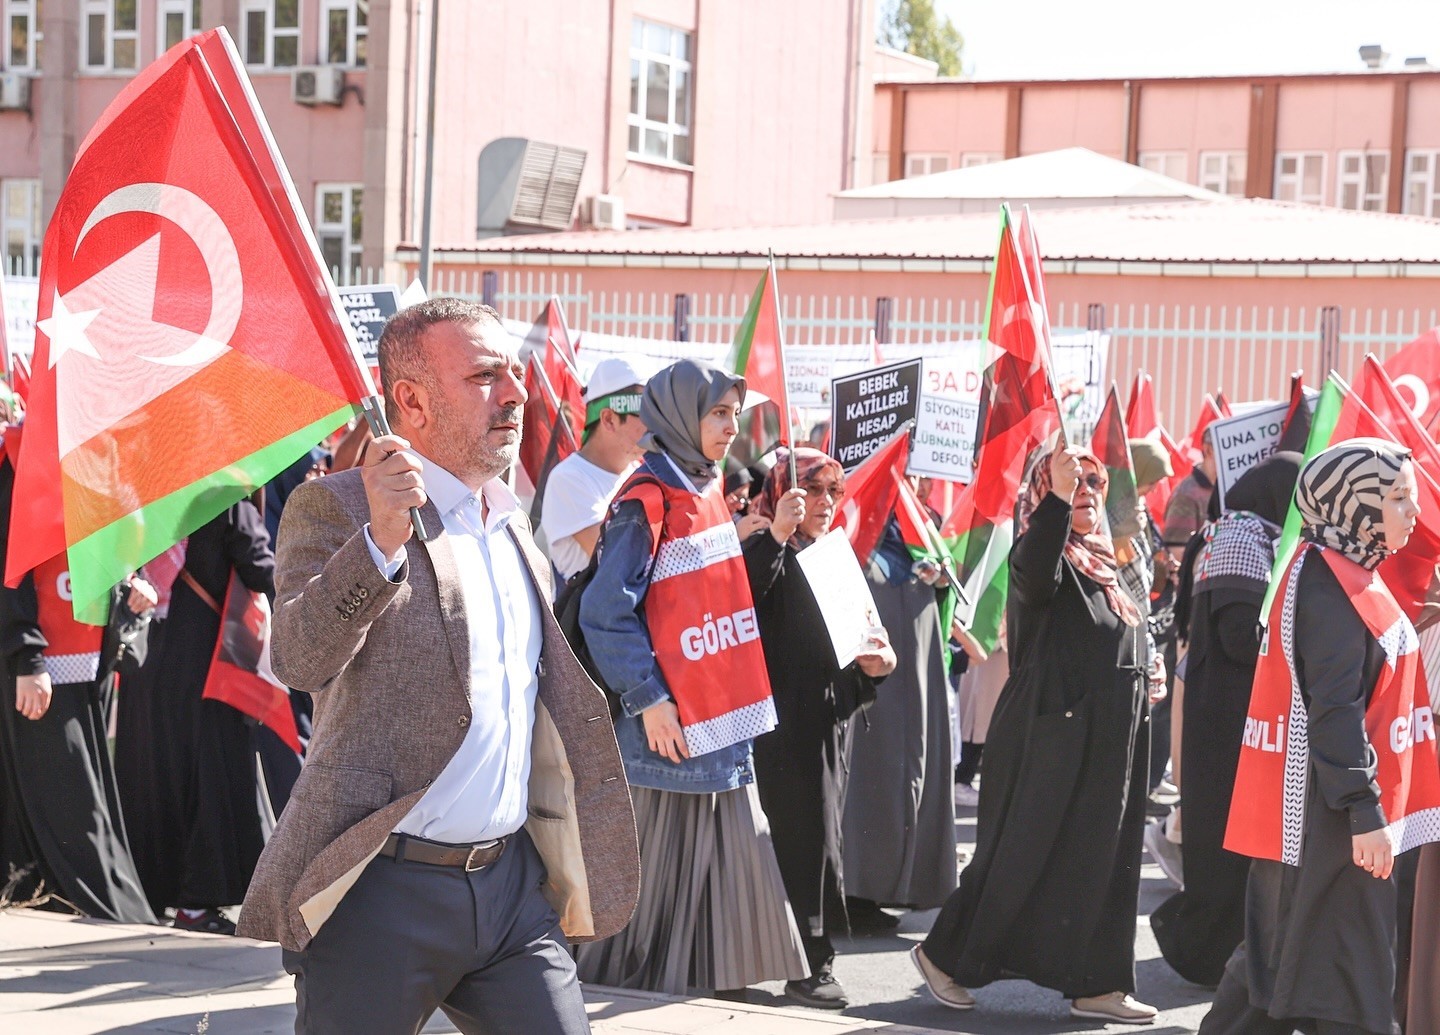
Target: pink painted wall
{"type": "Point", "coordinates": [1424, 123]}
{"type": "Point", "coordinates": [1193, 117]}
{"type": "Point", "coordinates": [934, 122]}
{"type": "Point", "coordinates": [1329, 115]}
{"type": "Point", "coordinates": [1073, 115]}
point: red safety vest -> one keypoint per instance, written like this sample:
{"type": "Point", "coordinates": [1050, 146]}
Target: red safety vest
{"type": "Point", "coordinates": [1267, 811]}
{"type": "Point", "coordinates": [701, 618]}
{"type": "Point", "coordinates": [72, 651]}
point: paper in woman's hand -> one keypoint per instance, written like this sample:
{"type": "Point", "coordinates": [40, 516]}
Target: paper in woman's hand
{"type": "Point", "coordinates": [842, 594]}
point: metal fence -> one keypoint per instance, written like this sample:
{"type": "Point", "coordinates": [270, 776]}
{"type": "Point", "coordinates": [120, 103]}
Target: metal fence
{"type": "Point", "coordinates": [1248, 352]}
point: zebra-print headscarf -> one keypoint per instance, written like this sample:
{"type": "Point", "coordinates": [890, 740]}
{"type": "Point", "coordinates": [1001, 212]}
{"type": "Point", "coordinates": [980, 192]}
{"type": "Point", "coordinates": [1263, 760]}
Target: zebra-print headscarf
{"type": "Point", "coordinates": [1340, 494]}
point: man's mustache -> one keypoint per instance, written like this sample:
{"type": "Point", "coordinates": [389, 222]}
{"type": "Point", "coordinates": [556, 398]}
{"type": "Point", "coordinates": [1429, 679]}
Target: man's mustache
{"type": "Point", "coordinates": [509, 415]}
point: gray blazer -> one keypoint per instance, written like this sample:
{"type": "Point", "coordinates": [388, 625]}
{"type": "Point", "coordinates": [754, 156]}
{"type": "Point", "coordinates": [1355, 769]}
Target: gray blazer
{"type": "Point", "coordinates": [388, 665]}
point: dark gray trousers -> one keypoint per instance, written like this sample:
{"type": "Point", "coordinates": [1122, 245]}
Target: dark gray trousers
{"type": "Point", "coordinates": [409, 938]}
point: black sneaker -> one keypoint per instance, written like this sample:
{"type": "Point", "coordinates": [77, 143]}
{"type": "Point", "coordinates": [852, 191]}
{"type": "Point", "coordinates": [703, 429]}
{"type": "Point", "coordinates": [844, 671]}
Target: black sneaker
{"type": "Point", "coordinates": [821, 992]}
{"type": "Point", "coordinates": [867, 918]}
{"type": "Point", "coordinates": [211, 921]}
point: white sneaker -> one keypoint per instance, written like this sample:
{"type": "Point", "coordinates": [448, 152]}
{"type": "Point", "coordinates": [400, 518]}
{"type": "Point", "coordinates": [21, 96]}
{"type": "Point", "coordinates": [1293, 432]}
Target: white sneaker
{"type": "Point", "coordinates": [966, 797]}
{"type": "Point", "coordinates": [1166, 853]}
{"type": "Point", "coordinates": [1117, 1007]}
{"type": "Point", "coordinates": [941, 985]}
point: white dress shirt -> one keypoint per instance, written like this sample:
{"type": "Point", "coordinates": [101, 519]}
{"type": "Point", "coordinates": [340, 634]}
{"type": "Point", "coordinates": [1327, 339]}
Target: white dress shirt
{"type": "Point", "coordinates": [482, 792]}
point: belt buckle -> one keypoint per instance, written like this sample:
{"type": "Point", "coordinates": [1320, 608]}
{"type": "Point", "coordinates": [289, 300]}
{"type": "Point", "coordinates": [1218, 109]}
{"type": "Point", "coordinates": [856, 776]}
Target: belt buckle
{"type": "Point", "coordinates": [475, 850]}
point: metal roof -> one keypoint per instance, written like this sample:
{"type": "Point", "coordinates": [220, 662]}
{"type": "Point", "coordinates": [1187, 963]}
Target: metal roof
{"type": "Point", "coordinates": [1250, 237]}
{"type": "Point", "coordinates": [1070, 173]}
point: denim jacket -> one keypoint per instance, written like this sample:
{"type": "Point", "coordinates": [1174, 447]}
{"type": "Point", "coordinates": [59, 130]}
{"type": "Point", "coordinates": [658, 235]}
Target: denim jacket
{"type": "Point", "coordinates": [613, 621]}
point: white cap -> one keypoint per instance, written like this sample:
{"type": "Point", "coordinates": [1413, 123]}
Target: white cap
{"type": "Point", "coordinates": [613, 374]}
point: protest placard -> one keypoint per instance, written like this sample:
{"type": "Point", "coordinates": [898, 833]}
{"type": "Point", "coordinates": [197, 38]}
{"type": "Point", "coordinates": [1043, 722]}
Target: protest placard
{"type": "Point", "coordinates": [867, 407]}
{"type": "Point", "coordinates": [945, 427]}
{"type": "Point", "coordinates": [368, 306]}
{"type": "Point", "coordinates": [1243, 440]}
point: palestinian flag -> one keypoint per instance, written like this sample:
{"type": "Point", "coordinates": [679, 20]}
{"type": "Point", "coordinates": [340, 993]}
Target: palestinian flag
{"type": "Point", "coordinates": [758, 353]}
{"type": "Point", "coordinates": [1112, 448]}
{"type": "Point", "coordinates": [190, 345]}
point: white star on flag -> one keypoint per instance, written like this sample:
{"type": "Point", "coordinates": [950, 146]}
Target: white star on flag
{"type": "Point", "coordinates": [66, 330]}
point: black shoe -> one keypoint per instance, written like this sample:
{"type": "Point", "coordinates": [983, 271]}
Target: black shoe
{"type": "Point", "coordinates": [212, 921]}
{"type": "Point", "coordinates": [866, 918]}
{"type": "Point", "coordinates": [822, 992]}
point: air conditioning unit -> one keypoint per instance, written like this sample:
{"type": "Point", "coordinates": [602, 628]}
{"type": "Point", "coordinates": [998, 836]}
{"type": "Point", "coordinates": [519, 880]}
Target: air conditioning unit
{"type": "Point", "coordinates": [14, 91]}
{"type": "Point", "coordinates": [317, 84]}
{"type": "Point", "coordinates": [607, 212]}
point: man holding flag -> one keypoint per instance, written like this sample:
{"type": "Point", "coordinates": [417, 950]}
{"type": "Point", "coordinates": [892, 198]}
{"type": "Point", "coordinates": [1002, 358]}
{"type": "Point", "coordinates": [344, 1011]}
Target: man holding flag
{"type": "Point", "coordinates": [438, 732]}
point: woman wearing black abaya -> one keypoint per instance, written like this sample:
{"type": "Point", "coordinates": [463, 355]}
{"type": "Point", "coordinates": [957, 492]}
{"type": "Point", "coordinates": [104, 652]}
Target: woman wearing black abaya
{"type": "Point", "coordinates": [187, 765]}
{"type": "Point", "coordinates": [1052, 893]}
{"type": "Point", "coordinates": [61, 829]}
{"type": "Point", "coordinates": [1198, 928]}
{"type": "Point", "coordinates": [800, 765]}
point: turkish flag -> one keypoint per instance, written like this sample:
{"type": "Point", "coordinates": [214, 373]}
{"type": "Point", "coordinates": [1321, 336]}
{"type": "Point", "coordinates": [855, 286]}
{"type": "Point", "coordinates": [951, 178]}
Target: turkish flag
{"type": "Point", "coordinates": [870, 494]}
{"type": "Point", "coordinates": [1415, 371]}
{"type": "Point", "coordinates": [1142, 421]}
{"type": "Point", "coordinates": [549, 339]}
{"type": "Point", "coordinates": [190, 344]}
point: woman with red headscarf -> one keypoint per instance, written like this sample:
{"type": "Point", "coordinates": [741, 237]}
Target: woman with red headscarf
{"type": "Point", "coordinates": [1053, 890]}
{"type": "Point", "coordinates": [799, 766]}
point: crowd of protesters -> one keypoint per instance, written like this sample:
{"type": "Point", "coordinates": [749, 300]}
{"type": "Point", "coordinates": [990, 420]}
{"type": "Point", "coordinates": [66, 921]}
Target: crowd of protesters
{"type": "Point", "coordinates": [760, 841]}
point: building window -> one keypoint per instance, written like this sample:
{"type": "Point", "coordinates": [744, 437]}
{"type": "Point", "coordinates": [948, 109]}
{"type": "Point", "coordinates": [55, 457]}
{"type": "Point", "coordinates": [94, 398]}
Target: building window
{"type": "Point", "coordinates": [925, 163]}
{"type": "Point", "coordinates": [272, 33]}
{"type": "Point", "coordinates": [179, 20]}
{"type": "Point", "coordinates": [1300, 176]}
{"type": "Point", "coordinates": [24, 22]}
{"type": "Point", "coordinates": [1422, 184]}
{"type": "Point", "coordinates": [21, 222]}
{"type": "Point", "coordinates": [1166, 163]}
{"type": "Point", "coordinates": [1362, 179]}
{"type": "Point", "coordinates": [338, 227]}
{"type": "Point", "coordinates": [347, 23]}
{"type": "Point", "coordinates": [1223, 172]}
{"type": "Point", "coordinates": [970, 159]}
{"type": "Point", "coordinates": [661, 83]}
{"type": "Point", "coordinates": [108, 42]}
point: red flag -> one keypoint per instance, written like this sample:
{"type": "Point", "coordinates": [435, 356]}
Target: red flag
{"type": "Point", "coordinates": [870, 494]}
{"type": "Point", "coordinates": [1373, 408]}
{"type": "Point", "coordinates": [20, 378]}
{"type": "Point", "coordinates": [189, 343]}
{"type": "Point", "coordinates": [546, 437]}
{"type": "Point", "coordinates": [550, 339]}
{"type": "Point", "coordinates": [1142, 421]}
{"type": "Point", "coordinates": [1030, 259]}
{"type": "Point", "coordinates": [1210, 412]}
{"type": "Point", "coordinates": [1141, 417]}
{"type": "Point", "coordinates": [1415, 371]}
{"type": "Point", "coordinates": [240, 673]}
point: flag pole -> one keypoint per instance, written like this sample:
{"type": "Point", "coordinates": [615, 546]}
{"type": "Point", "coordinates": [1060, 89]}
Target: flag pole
{"type": "Point", "coordinates": [375, 416]}
{"type": "Point", "coordinates": [780, 348]}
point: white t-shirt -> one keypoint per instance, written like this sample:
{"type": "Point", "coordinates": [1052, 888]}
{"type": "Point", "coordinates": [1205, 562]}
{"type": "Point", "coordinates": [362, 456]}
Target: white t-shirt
{"type": "Point", "coordinates": [577, 495]}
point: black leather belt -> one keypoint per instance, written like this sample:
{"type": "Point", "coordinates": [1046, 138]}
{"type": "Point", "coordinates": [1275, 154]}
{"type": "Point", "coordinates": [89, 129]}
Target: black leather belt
{"type": "Point", "coordinates": [405, 848]}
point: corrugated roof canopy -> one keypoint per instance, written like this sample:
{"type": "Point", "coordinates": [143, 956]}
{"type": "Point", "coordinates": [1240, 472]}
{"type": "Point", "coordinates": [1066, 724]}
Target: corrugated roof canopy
{"type": "Point", "coordinates": [1229, 232]}
{"type": "Point", "coordinates": [1072, 173]}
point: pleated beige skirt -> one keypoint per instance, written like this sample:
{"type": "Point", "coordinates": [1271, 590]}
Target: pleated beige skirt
{"type": "Point", "coordinates": [712, 912]}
